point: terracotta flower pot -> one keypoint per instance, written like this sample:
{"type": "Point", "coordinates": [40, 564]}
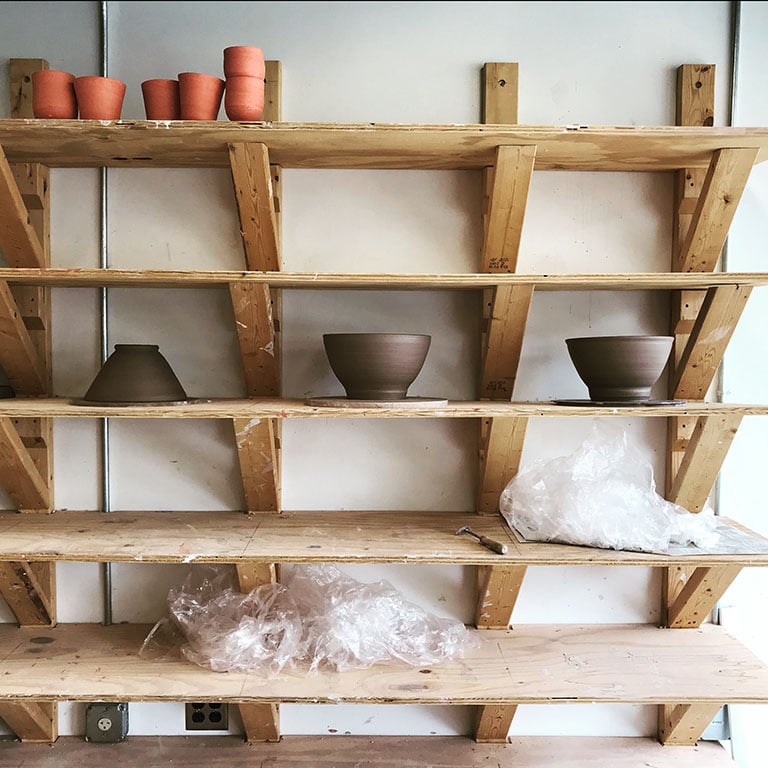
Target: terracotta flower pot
{"type": "Point", "coordinates": [244, 98]}
{"type": "Point", "coordinates": [99, 98]}
{"type": "Point", "coordinates": [161, 99]}
{"type": "Point", "coordinates": [200, 95]}
{"type": "Point", "coordinates": [620, 368]}
{"type": "Point", "coordinates": [376, 366]}
{"type": "Point", "coordinates": [244, 61]}
{"type": "Point", "coordinates": [53, 94]}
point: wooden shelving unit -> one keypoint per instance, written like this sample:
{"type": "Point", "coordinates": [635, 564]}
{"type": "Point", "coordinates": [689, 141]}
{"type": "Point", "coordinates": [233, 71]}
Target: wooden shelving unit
{"type": "Point", "coordinates": [689, 675]}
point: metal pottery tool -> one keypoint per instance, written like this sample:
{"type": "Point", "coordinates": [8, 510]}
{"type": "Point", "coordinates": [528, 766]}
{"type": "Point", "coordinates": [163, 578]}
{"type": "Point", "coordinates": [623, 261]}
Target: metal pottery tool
{"type": "Point", "coordinates": [494, 546]}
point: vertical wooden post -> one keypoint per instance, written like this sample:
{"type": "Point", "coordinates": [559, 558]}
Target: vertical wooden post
{"type": "Point", "coordinates": [32, 586]}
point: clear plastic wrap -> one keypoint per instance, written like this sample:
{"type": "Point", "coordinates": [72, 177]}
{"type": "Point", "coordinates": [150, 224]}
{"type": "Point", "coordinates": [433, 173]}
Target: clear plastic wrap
{"type": "Point", "coordinates": [226, 630]}
{"type": "Point", "coordinates": [318, 617]}
{"type": "Point", "coordinates": [602, 495]}
{"type": "Point", "coordinates": [353, 625]}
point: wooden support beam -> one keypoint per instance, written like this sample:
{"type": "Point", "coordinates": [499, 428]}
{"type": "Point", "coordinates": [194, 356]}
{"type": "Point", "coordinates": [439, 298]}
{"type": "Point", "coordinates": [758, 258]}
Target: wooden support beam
{"type": "Point", "coordinates": [501, 355]}
{"type": "Point", "coordinates": [498, 588]}
{"type": "Point", "coordinates": [709, 337]}
{"type": "Point", "coordinates": [493, 722]}
{"type": "Point", "coordinates": [498, 94]}
{"type": "Point", "coordinates": [683, 724]}
{"type": "Point", "coordinates": [501, 442]}
{"type": "Point", "coordinates": [721, 192]}
{"type": "Point", "coordinates": [699, 595]}
{"type": "Point", "coordinates": [18, 356]}
{"type": "Point", "coordinates": [253, 190]}
{"type": "Point", "coordinates": [31, 599]}
{"type": "Point", "coordinates": [261, 722]}
{"type": "Point", "coordinates": [19, 242]}
{"type": "Point", "coordinates": [702, 460]}
{"type": "Point", "coordinates": [509, 197]}
{"type": "Point", "coordinates": [258, 451]}
{"type": "Point", "coordinates": [33, 721]}
{"type": "Point", "coordinates": [19, 474]}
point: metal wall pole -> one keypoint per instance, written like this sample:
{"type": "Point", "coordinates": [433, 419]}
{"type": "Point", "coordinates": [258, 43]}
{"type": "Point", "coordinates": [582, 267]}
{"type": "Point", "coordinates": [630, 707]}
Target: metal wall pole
{"type": "Point", "coordinates": [106, 498]}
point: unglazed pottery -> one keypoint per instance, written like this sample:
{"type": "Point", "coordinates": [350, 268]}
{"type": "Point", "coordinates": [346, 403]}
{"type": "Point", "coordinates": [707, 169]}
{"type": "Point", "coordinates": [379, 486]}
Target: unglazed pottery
{"type": "Point", "coordinates": [161, 99]}
{"type": "Point", "coordinates": [244, 98]}
{"type": "Point", "coordinates": [53, 94]}
{"type": "Point", "coordinates": [376, 366]}
{"type": "Point", "coordinates": [99, 98]}
{"type": "Point", "coordinates": [200, 96]}
{"type": "Point", "coordinates": [135, 373]}
{"type": "Point", "coordinates": [244, 61]}
{"type": "Point", "coordinates": [617, 368]}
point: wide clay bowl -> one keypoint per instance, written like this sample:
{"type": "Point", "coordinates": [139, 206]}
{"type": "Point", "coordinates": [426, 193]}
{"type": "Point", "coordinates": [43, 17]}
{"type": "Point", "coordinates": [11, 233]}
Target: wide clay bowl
{"type": "Point", "coordinates": [135, 373]}
{"type": "Point", "coordinates": [620, 367]}
{"type": "Point", "coordinates": [376, 366]}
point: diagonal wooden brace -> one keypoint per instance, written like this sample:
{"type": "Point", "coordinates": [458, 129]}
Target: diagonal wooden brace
{"type": "Point", "coordinates": [501, 448]}
{"type": "Point", "coordinates": [24, 588]}
{"type": "Point", "coordinates": [498, 589]}
{"type": "Point", "coordinates": [724, 184]}
{"type": "Point", "coordinates": [683, 724]}
{"type": "Point", "coordinates": [18, 356]}
{"type": "Point", "coordinates": [510, 307]}
{"type": "Point", "coordinates": [261, 722]}
{"type": "Point", "coordinates": [509, 197]}
{"type": "Point", "coordinates": [709, 337]}
{"type": "Point", "coordinates": [702, 460]}
{"type": "Point", "coordinates": [258, 451]}
{"type": "Point", "coordinates": [33, 721]}
{"type": "Point", "coordinates": [696, 594]}
{"type": "Point", "coordinates": [18, 473]}
{"type": "Point", "coordinates": [252, 179]}
{"type": "Point", "coordinates": [493, 722]}
{"type": "Point", "coordinates": [18, 240]}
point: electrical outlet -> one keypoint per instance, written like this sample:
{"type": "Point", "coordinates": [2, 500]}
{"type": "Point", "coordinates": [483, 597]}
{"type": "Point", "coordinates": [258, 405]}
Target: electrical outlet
{"type": "Point", "coordinates": [204, 716]}
{"type": "Point", "coordinates": [105, 722]}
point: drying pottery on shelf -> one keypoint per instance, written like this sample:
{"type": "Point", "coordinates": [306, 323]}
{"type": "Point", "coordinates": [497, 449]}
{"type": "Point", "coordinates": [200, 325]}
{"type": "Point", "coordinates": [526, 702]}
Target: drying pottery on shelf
{"type": "Point", "coordinates": [244, 61]}
{"type": "Point", "coordinates": [99, 98]}
{"type": "Point", "coordinates": [620, 369]}
{"type": "Point", "coordinates": [53, 94]}
{"type": "Point", "coordinates": [161, 99]}
{"type": "Point", "coordinates": [376, 366]}
{"type": "Point", "coordinates": [135, 374]}
{"type": "Point", "coordinates": [244, 98]}
{"type": "Point", "coordinates": [200, 96]}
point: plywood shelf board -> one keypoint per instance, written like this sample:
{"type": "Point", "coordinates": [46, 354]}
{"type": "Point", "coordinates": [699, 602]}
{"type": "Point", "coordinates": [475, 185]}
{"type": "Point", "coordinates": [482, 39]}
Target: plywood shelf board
{"type": "Point", "coordinates": [269, 408]}
{"type": "Point", "coordinates": [337, 751]}
{"type": "Point", "coordinates": [531, 664]}
{"type": "Point", "coordinates": [138, 143]}
{"type": "Point", "coordinates": [304, 537]}
{"type": "Point", "coordinates": [161, 278]}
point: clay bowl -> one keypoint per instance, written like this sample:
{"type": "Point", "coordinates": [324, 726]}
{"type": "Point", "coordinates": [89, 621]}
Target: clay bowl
{"type": "Point", "coordinates": [376, 366]}
{"type": "Point", "coordinates": [135, 374]}
{"type": "Point", "coordinates": [620, 368]}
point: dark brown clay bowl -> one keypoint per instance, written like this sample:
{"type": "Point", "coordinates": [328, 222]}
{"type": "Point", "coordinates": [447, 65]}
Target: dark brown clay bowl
{"type": "Point", "coordinates": [620, 368]}
{"type": "Point", "coordinates": [135, 373]}
{"type": "Point", "coordinates": [376, 366]}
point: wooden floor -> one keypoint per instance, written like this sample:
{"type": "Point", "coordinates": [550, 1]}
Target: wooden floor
{"type": "Point", "coordinates": [364, 751]}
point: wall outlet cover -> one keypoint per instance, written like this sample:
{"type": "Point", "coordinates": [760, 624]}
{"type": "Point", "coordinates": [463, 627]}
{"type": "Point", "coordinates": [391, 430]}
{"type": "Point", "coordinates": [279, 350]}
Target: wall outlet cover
{"type": "Point", "coordinates": [206, 716]}
{"type": "Point", "coordinates": [106, 722]}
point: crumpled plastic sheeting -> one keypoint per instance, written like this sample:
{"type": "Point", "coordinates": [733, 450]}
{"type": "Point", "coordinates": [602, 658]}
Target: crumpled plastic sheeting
{"type": "Point", "coordinates": [602, 495]}
{"type": "Point", "coordinates": [318, 616]}
{"type": "Point", "coordinates": [352, 625]}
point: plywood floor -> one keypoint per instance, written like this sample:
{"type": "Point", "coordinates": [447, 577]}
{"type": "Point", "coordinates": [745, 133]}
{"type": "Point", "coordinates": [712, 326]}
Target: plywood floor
{"type": "Point", "coordinates": [364, 752]}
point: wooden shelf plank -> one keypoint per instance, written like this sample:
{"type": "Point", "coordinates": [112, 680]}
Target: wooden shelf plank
{"type": "Point", "coordinates": [140, 143]}
{"type": "Point", "coordinates": [159, 278]}
{"type": "Point", "coordinates": [597, 663]}
{"type": "Point", "coordinates": [336, 751]}
{"type": "Point", "coordinates": [277, 409]}
{"type": "Point", "coordinates": [303, 537]}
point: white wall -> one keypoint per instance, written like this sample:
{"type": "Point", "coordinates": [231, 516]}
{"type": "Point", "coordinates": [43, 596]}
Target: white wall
{"type": "Point", "coordinates": [608, 63]}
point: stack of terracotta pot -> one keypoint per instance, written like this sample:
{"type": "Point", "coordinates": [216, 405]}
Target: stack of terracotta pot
{"type": "Point", "coordinates": [61, 95]}
{"type": "Point", "coordinates": [244, 72]}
